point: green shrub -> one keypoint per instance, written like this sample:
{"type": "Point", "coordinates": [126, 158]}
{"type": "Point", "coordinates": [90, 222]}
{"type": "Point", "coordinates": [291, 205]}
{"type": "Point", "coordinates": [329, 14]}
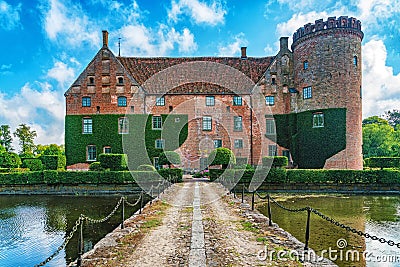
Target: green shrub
{"type": "Point", "coordinates": [51, 177]}
{"type": "Point", "coordinates": [172, 175]}
{"type": "Point", "coordinates": [146, 167]}
{"type": "Point", "coordinates": [169, 158]}
{"type": "Point", "coordinates": [383, 162]}
{"type": "Point", "coordinates": [114, 162]}
{"type": "Point", "coordinates": [95, 166]}
{"type": "Point", "coordinates": [53, 162]}
{"type": "Point", "coordinates": [32, 164]}
{"type": "Point", "coordinates": [10, 160]}
{"type": "Point", "coordinates": [222, 156]}
{"type": "Point", "coordinates": [275, 162]}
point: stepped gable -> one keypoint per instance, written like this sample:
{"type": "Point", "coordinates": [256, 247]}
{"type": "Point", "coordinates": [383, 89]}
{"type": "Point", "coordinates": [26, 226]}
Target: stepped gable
{"type": "Point", "coordinates": [142, 69]}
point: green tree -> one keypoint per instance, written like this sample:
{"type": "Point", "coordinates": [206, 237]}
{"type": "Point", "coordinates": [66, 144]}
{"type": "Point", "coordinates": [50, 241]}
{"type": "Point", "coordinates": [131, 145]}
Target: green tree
{"type": "Point", "coordinates": [379, 139]}
{"type": "Point", "coordinates": [222, 156]}
{"type": "Point", "coordinates": [26, 137]}
{"type": "Point", "coordinates": [5, 137]}
{"type": "Point", "coordinates": [169, 158]}
{"type": "Point", "coordinates": [51, 149]}
{"type": "Point", "coordinates": [393, 117]}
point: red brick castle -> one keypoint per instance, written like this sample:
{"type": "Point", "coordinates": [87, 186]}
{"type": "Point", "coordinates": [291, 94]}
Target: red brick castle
{"type": "Point", "coordinates": [303, 103]}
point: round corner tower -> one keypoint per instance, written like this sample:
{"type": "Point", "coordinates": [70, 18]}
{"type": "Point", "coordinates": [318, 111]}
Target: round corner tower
{"type": "Point", "coordinates": [327, 75]}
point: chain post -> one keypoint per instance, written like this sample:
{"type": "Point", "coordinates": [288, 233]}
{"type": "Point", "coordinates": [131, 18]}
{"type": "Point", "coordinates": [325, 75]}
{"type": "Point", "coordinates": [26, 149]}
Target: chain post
{"type": "Point", "coordinates": [80, 245]}
{"type": "Point", "coordinates": [123, 213]}
{"type": "Point", "coordinates": [141, 202]}
{"type": "Point", "coordinates": [242, 193]}
{"type": "Point", "coordinates": [252, 200]}
{"type": "Point", "coordinates": [269, 211]}
{"type": "Point", "coordinates": [307, 229]}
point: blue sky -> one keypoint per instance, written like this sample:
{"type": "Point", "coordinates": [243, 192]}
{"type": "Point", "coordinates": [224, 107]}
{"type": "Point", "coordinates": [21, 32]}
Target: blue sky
{"type": "Point", "coordinates": [46, 44]}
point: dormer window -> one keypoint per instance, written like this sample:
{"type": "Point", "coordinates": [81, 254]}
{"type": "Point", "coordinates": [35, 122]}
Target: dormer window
{"type": "Point", "coordinates": [120, 80]}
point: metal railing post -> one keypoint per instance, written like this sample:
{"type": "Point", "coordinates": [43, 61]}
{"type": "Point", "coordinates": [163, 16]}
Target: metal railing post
{"type": "Point", "coordinates": [252, 200]}
{"type": "Point", "coordinates": [123, 213]}
{"type": "Point", "coordinates": [307, 229]}
{"type": "Point", "coordinates": [80, 246]}
{"type": "Point", "coordinates": [269, 212]}
{"type": "Point", "coordinates": [242, 193]}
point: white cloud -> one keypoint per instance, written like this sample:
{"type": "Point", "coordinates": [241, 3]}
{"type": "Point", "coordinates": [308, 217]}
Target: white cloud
{"type": "Point", "coordinates": [201, 13]}
{"type": "Point", "coordinates": [142, 41]}
{"type": "Point", "coordinates": [381, 91]}
{"type": "Point", "coordinates": [371, 11]}
{"type": "Point", "coordinates": [9, 16]}
{"type": "Point", "coordinates": [62, 73]}
{"type": "Point", "coordinates": [69, 24]}
{"type": "Point", "coordinates": [38, 106]}
{"type": "Point", "coordinates": [233, 48]}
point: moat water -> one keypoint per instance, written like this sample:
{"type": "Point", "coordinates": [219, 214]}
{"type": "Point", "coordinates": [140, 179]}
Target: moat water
{"type": "Point", "coordinates": [33, 227]}
{"type": "Point", "coordinates": [377, 215]}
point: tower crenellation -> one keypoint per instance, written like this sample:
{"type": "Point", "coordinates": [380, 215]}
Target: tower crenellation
{"type": "Point", "coordinates": [343, 22]}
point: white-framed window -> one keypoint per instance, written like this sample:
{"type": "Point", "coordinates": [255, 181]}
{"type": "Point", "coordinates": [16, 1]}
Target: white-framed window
{"type": "Point", "coordinates": [237, 123]}
{"type": "Point", "coordinates": [86, 101]}
{"type": "Point", "coordinates": [270, 100]}
{"type": "Point", "coordinates": [160, 143]}
{"type": "Point", "coordinates": [270, 126]}
{"type": "Point", "coordinates": [123, 125]}
{"type": "Point", "coordinates": [307, 92]}
{"type": "Point", "coordinates": [155, 163]}
{"type": "Point", "coordinates": [272, 150]}
{"type": "Point", "coordinates": [237, 101]}
{"type": "Point", "coordinates": [217, 143]}
{"type": "Point", "coordinates": [91, 154]}
{"type": "Point", "coordinates": [305, 65]}
{"type": "Point", "coordinates": [210, 100]}
{"type": "Point", "coordinates": [87, 125]}
{"type": "Point", "coordinates": [318, 120]}
{"type": "Point", "coordinates": [160, 101]}
{"type": "Point", "coordinates": [207, 123]}
{"type": "Point", "coordinates": [122, 101]}
{"type": "Point", "coordinates": [157, 123]}
{"type": "Point", "coordinates": [238, 143]}
{"type": "Point", "coordinates": [107, 150]}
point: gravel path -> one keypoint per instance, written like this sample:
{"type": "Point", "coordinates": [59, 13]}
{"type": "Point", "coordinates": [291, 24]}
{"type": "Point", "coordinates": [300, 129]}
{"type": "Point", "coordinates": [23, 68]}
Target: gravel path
{"type": "Point", "coordinates": [198, 225]}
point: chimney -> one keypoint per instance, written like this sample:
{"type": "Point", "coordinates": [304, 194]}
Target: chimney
{"type": "Point", "coordinates": [284, 43]}
{"type": "Point", "coordinates": [105, 38]}
{"type": "Point", "coordinates": [243, 48]}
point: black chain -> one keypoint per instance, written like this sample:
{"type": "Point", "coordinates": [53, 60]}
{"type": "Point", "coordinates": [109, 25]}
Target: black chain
{"type": "Point", "coordinates": [336, 223]}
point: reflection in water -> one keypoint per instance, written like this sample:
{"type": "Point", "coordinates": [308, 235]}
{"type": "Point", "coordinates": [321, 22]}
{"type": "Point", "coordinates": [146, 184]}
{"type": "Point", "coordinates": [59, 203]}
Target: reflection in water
{"type": "Point", "coordinates": [376, 215]}
{"type": "Point", "coordinates": [33, 227]}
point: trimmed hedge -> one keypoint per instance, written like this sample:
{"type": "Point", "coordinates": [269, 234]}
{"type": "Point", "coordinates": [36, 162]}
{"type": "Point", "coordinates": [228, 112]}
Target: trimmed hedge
{"type": "Point", "coordinates": [172, 175]}
{"type": "Point", "coordinates": [275, 162]}
{"type": "Point", "coordinates": [114, 162]}
{"type": "Point", "coordinates": [383, 162]}
{"type": "Point", "coordinates": [32, 164]}
{"type": "Point", "coordinates": [52, 177]}
{"type": "Point", "coordinates": [95, 166]}
{"type": "Point", "coordinates": [53, 162]}
{"type": "Point", "coordinates": [279, 175]}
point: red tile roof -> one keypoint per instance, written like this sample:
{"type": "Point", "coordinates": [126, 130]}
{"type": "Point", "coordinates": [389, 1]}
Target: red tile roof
{"type": "Point", "coordinates": [142, 69]}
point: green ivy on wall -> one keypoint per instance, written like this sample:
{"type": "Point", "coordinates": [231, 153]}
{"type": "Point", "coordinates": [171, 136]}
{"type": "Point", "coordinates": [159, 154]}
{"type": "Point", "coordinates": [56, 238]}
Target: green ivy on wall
{"type": "Point", "coordinates": [311, 147]}
{"type": "Point", "coordinates": [139, 141]}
